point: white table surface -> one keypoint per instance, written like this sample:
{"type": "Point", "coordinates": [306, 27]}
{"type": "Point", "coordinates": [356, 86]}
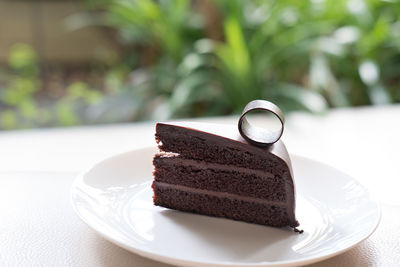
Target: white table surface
{"type": "Point", "coordinates": [39, 228]}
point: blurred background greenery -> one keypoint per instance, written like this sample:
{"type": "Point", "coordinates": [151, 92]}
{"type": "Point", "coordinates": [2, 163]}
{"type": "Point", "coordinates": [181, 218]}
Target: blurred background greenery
{"type": "Point", "coordinates": [190, 58]}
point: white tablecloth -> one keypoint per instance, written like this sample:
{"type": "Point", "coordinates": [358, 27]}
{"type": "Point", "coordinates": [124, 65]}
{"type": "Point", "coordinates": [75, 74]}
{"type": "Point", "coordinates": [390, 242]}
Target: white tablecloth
{"type": "Point", "coordinates": [39, 228]}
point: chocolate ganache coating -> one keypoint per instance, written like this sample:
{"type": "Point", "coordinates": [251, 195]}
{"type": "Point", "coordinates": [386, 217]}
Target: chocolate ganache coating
{"type": "Point", "coordinates": [220, 149]}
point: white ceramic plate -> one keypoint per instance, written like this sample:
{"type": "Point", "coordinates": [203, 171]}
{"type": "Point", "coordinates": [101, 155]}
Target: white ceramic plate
{"type": "Point", "coordinates": [115, 199]}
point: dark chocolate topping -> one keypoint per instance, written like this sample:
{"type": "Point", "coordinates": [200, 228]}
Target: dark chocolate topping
{"type": "Point", "coordinates": [229, 137]}
{"type": "Point", "coordinates": [256, 135]}
{"type": "Point", "coordinates": [228, 131]}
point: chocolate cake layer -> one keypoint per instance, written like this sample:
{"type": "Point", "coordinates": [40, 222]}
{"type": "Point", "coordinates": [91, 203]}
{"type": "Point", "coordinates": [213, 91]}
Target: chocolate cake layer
{"type": "Point", "coordinates": [214, 171]}
{"type": "Point", "coordinates": [222, 205]}
{"type": "Point", "coordinates": [219, 177]}
{"type": "Point", "coordinates": [229, 149]}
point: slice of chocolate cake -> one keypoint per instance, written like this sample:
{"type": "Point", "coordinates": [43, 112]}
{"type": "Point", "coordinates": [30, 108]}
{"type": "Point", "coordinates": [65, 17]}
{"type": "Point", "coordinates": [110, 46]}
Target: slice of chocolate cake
{"type": "Point", "coordinates": [210, 169]}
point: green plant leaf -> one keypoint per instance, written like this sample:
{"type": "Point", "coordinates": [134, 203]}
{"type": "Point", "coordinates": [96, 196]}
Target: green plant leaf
{"type": "Point", "coordinates": [8, 119]}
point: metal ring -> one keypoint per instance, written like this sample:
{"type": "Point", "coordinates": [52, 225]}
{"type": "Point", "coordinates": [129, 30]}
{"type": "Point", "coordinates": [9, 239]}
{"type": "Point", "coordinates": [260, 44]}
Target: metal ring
{"type": "Point", "coordinates": [255, 135]}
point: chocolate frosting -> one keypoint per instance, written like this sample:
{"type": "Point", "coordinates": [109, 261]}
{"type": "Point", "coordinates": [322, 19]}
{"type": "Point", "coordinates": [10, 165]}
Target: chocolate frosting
{"type": "Point", "coordinates": [256, 135]}
{"type": "Point", "coordinates": [229, 135]}
{"type": "Point", "coordinates": [230, 132]}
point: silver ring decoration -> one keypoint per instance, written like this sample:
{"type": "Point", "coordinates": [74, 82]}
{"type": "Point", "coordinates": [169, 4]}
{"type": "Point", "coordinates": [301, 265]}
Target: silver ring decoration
{"type": "Point", "coordinates": [255, 135]}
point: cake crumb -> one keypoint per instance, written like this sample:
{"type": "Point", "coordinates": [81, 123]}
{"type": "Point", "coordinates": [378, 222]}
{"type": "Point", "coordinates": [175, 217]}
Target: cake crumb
{"type": "Point", "coordinates": [296, 230]}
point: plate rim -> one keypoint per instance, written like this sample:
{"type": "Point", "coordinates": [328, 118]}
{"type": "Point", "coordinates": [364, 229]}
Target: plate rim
{"type": "Point", "coordinates": [183, 262]}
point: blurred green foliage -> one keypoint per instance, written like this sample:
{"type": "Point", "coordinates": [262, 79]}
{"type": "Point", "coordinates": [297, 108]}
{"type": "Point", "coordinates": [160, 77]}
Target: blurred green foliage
{"type": "Point", "coordinates": [16, 97]}
{"type": "Point", "coordinates": [21, 103]}
{"type": "Point", "coordinates": [201, 58]}
{"type": "Point", "coordinates": [212, 57]}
